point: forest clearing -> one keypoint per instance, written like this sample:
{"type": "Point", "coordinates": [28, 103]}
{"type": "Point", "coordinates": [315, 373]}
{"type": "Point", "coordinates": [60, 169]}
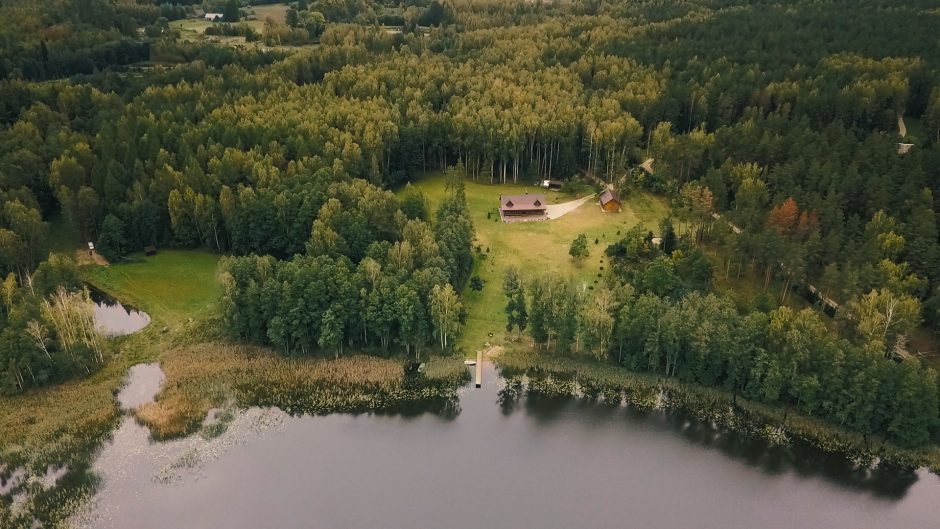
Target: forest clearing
{"type": "Point", "coordinates": [173, 286]}
{"type": "Point", "coordinates": [299, 217]}
{"type": "Point", "coordinates": [534, 247]}
{"type": "Point", "coordinates": [194, 29]}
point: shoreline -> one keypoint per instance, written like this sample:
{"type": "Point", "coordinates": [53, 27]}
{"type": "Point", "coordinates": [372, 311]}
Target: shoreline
{"type": "Point", "coordinates": [527, 372]}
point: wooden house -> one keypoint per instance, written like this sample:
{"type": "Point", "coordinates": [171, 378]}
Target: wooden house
{"type": "Point", "coordinates": [515, 208]}
{"type": "Point", "coordinates": [610, 202]}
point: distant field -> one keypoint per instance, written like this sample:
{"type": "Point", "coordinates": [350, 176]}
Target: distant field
{"type": "Point", "coordinates": [172, 286]}
{"type": "Point", "coordinates": [533, 247]}
{"type": "Point", "coordinates": [195, 28]}
{"type": "Point", "coordinates": [276, 12]}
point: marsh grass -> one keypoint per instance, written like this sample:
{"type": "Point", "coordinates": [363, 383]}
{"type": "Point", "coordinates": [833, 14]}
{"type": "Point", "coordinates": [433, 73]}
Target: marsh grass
{"type": "Point", "coordinates": [447, 370]}
{"type": "Point", "coordinates": [529, 372]}
{"type": "Point", "coordinates": [64, 425]}
{"type": "Point", "coordinates": [201, 377]}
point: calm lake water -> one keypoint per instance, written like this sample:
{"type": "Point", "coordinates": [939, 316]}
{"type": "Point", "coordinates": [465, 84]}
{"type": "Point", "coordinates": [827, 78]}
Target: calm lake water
{"type": "Point", "coordinates": [116, 319]}
{"type": "Point", "coordinates": [538, 464]}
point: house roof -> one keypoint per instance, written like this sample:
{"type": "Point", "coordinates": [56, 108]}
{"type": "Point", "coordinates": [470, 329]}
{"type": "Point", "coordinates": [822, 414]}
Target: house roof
{"type": "Point", "coordinates": [522, 202]}
{"type": "Point", "coordinates": [609, 195]}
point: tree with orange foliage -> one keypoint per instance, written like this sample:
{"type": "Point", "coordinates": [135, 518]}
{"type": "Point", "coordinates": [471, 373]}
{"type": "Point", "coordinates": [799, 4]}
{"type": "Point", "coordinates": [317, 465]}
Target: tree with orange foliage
{"type": "Point", "coordinates": [784, 217]}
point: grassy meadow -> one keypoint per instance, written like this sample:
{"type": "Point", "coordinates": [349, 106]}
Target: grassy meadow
{"type": "Point", "coordinates": [533, 247]}
{"type": "Point", "coordinates": [172, 286]}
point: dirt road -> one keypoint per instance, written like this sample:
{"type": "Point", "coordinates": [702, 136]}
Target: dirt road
{"type": "Point", "coordinates": [557, 210]}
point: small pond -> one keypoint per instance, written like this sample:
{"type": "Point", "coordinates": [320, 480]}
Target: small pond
{"type": "Point", "coordinates": [116, 319]}
{"type": "Point", "coordinates": [534, 462]}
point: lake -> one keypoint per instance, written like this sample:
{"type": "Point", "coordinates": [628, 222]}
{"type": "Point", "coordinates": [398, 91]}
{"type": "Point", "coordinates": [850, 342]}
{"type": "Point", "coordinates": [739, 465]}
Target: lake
{"type": "Point", "coordinates": [115, 319]}
{"type": "Point", "coordinates": [538, 463]}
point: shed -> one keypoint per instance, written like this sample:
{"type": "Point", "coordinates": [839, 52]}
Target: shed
{"type": "Point", "coordinates": [610, 202]}
{"type": "Point", "coordinates": [214, 16]}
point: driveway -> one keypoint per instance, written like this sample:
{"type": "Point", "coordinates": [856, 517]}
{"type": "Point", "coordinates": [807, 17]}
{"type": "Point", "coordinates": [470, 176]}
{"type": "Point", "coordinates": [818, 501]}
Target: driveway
{"type": "Point", "coordinates": [557, 210]}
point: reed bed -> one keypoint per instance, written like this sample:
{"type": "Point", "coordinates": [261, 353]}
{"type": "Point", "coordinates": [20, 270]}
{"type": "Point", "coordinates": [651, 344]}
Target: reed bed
{"type": "Point", "coordinates": [447, 370]}
{"type": "Point", "coordinates": [200, 377]}
{"type": "Point", "coordinates": [61, 425]}
{"type": "Point", "coordinates": [554, 376]}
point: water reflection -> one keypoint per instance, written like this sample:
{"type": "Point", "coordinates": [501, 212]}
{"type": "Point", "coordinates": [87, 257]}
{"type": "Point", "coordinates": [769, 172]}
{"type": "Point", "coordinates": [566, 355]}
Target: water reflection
{"type": "Point", "coordinates": [492, 458]}
{"type": "Point", "coordinates": [885, 481]}
{"type": "Point", "coordinates": [143, 383]}
{"type": "Point", "coordinates": [116, 319]}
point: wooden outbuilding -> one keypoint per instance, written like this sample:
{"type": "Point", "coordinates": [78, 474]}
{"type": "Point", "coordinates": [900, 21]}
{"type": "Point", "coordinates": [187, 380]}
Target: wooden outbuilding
{"type": "Point", "coordinates": [610, 201]}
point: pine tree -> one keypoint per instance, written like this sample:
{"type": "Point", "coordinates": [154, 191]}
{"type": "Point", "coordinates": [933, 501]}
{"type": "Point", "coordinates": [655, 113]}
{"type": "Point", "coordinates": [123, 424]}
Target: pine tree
{"type": "Point", "coordinates": [111, 242]}
{"type": "Point", "coordinates": [514, 290]}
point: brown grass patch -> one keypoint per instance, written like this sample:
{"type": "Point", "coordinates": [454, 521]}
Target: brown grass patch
{"type": "Point", "coordinates": [203, 376]}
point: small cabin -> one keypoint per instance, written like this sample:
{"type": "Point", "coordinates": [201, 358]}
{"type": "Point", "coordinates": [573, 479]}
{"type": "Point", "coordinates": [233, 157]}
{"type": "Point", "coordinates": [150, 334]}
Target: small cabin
{"type": "Point", "coordinates": [610, 201]}
{"type": "Point", "coordinates": [515, 208]}
{"type": "Point", "coordinates": [214, 16]}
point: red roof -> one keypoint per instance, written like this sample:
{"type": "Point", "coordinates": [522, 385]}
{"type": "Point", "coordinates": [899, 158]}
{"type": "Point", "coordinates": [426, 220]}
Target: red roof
{"type": "Point", "coordinates": [522, 202]}
{"type": "Point", "coordinates": [609, 195]}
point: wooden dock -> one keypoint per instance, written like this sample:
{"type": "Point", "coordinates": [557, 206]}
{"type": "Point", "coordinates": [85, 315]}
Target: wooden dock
{"type": "Point", "coordinates": [479, 379]}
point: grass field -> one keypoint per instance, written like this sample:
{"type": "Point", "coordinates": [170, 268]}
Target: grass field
{"type": "Point", "coordinates": [173, 285]}
{"type": "Point", "coordinates": [533, 247]}
{"type": "Point", "coordinates": [195, 28]}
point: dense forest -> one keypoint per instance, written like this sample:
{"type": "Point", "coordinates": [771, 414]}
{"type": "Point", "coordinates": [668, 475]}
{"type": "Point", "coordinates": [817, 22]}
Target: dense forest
{"type": "Point", "coordinates": [657, 314]}
{"type": "Point", "coordinates": [784, 122]}
{"type": "Point", "coordinates": [374, 270]}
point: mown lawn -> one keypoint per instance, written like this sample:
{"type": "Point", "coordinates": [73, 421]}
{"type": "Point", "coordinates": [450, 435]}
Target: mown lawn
{"type": "Point", "coordinates": [533, 247]}
{"type": "Point", "coordinates": [173, 285]}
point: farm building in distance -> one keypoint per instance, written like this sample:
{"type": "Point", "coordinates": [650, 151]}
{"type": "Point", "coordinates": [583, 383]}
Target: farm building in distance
{"type": "Point", "coordinates": [610, 202]}
{"type": "Point", "coordinates": [521, 208]}
{"type": "Point", "coordinates": [214, 16]}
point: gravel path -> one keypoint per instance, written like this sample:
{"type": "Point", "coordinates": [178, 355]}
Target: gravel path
{"type": "Point", "coordinates": [557, 210]}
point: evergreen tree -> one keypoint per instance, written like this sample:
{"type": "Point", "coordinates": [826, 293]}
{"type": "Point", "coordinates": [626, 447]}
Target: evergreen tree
{"type": "Point", "coordinates": [514, 290]}
{"type": "Point", "coordinates": [231, 13]}
{"type": "Point", "coordinates": [111, 242]}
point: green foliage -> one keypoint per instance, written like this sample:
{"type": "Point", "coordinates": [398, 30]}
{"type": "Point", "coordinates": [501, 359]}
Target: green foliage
{"type": "Point", "coordinates": [231, 11]}
{"type": "Point", "coordinates": [245, 151]}
{"type": "Point", "coordinates": [353, 287]}
{"type": "Point", "coordinates": [579, 248]}
{"type": "Point", "coordinates": [782, 357]}
{"type": "Point", "coordinates": [514, 290]}
{"type": "Point", "coordinates": [47, 332]}
{"type": "Point", "coordinates": [111, 243]}
{"type": "Point", "coordinates": [669, 241]}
